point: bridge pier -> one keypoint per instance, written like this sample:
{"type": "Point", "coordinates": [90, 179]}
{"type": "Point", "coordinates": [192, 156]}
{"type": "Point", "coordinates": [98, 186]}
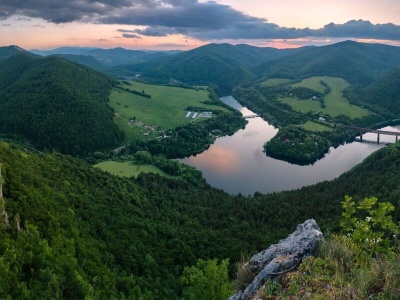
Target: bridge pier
{"type": "Point", "coordinates": [378, 137]}
{"type": "Point", "coordinates": [361, 136]}
{"type": "Point", "coordinates": [396, 137]}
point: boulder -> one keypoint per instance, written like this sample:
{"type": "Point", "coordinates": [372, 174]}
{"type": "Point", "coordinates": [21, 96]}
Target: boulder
{"type": "Point", "coordinates": [282, 257]}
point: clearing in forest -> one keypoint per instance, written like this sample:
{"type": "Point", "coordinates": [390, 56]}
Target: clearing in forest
{"type": "Point", "coordinates": [127, 169]}
{"type": "Point", "coordinates": [166, 109]}
{"type": "Point", "coordinates": [336, 103]}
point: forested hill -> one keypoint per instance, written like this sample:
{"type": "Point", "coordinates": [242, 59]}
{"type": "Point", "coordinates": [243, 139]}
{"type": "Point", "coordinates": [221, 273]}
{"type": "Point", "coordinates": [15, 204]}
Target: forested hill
{"type": "Point", "coordinates": [358, 63]}
{"type": "Point", "coordinates": [385, 91]}
{"type": "Point", "coordinates": [73, 231]}
{"type": "Point", "coordinates": [8, 51]}
{"type": "Point", "coordinates": [222, 64]}
{"type": "Point", "coordinates": [56, 104]}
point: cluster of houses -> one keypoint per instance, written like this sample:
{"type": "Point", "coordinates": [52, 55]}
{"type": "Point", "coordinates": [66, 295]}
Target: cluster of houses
{"type": "Point", "coordinates": [204, 114]}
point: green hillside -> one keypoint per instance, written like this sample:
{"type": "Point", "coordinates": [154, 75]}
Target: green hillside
{"type": "Point", "coordinates": [56, 104]}
{"type": "Point", "coordinates": [357, 63]}
{"type": "Point", "coordinates": [384, 92]}
{"type": "Point", "coordinates": [222, 64]}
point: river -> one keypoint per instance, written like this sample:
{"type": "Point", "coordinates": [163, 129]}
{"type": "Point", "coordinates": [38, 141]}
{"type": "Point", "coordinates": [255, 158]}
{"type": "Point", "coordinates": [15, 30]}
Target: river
{"type": "Point", "coordinates": [237, 164]}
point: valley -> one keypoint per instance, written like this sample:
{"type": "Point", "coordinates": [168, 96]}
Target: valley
{"type": "Point", "coordinates": [128, 192]}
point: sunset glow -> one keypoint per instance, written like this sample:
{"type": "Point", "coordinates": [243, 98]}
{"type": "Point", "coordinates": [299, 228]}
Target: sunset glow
{"type": "Point", "coordinates": [172, 24]}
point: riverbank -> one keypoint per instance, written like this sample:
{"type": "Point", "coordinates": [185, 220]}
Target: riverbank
{"type": "Point", "coordinates": [237, 164]}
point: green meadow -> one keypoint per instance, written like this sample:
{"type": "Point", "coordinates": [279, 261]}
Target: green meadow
{"type": "Point", "coordinates": [274, 82]}
{"type": "Point", "coordinates": [314, 83]}
{"type": "Point", "coordinates": [314, 126]}
{"type": "Point", "coordinates": [335, 103]}
{"type": "Point", "coordinates": [166, 108]}
{"type": "Point", "coordinates": [127, 169]}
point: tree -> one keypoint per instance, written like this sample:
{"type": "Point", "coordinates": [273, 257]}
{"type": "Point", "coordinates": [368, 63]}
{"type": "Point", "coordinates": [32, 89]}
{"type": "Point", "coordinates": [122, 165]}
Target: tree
{"type": "Point", "coordinates": [207, 281]}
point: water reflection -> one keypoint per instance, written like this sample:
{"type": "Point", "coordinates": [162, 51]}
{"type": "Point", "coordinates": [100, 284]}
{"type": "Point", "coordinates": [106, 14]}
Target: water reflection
{"type": "Point", "coordinates": [237, 164]}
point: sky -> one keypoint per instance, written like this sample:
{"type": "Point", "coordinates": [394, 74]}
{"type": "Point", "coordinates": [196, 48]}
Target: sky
{"type": "Point", "coordinates": [186, 24]}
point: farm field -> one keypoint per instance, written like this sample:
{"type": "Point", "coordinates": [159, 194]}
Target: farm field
{"type": "Point", "coordinates": [166, 108]}
{"type": "Point", "coordinates": [275, 81]}
{"type": "Point", "coordinates": [335, 103]}
{"type": "Point", "coordinates": [314, 126]}
{"type": "Point", "coordinates": [127, 169]}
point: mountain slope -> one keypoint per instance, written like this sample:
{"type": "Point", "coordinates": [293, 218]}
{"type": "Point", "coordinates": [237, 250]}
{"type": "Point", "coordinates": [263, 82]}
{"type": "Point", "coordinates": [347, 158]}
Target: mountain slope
{"type": "Point", "coordinates": [56, 104]}
{"type": "Point", "coordinates": [358, 63]}
{"type": "Point", "coordinates": [85, 60]}
{"type": "Point", "coordinates": [385, 91]}
{"type": "Point", "coordinates": [222, 64]}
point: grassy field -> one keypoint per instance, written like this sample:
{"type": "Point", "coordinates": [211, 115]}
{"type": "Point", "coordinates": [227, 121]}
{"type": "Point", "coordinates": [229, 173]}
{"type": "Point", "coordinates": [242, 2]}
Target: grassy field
{"type": "Point", "coordinates": [127, 169]}
{"type": "Point", "coordinates": [166, 108]}
{"type": "Point", "coordinates": [302, 106]}
{"type": "Point", "coordinates": [274, 82]}
{"type": "Point", "coordinates": [313, 83]}
{"type": "Point", "coordinates": [314, 126]}
{"type": "Point", "coordinates": [335, 103]}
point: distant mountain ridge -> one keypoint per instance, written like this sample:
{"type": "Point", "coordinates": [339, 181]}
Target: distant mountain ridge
{"type": "Point", "coordinates": [230, 65]}
{"type": "Point", "coordinates": [104, 57]}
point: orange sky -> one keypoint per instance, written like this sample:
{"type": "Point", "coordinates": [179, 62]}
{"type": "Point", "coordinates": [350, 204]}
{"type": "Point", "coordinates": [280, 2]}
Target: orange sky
{"type": "Point", "coordinates": [30, 33]}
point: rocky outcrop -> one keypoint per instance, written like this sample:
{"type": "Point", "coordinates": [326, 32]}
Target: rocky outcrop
{"type": "Point", "coordinates": [282, 257]}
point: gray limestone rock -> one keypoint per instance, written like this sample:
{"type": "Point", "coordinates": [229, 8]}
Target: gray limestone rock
{"type": "Point", "coordinates": [282, 257]}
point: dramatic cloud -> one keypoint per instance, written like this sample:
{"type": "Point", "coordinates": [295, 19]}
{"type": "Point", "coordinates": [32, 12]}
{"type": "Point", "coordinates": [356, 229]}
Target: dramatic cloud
{"type": "Point", "coordinates": [200, 20]}
{"type": "Point", "coordinates": [361, 29]}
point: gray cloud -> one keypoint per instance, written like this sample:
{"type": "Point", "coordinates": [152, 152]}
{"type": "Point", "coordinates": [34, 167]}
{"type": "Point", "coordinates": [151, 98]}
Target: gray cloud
{"type": "Point", "coordinates": [361, 29]}
{"type": "Point", "coordinates": [200, 20]}
{"type": "Point", "coordinates": [125, 30]}
{"type": "Point", "coordinates": [131, 36]}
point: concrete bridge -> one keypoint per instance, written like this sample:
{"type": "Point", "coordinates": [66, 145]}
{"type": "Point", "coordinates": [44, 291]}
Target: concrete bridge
{"type": "Point", "coordinates": [378, 132]}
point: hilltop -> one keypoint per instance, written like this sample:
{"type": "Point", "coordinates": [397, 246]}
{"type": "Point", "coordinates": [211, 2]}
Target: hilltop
{"type": "Point", "coordinates": [56, 104]}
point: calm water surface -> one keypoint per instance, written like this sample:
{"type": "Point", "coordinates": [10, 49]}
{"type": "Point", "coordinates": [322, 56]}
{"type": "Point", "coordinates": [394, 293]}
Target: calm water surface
{"type": "Point", "coordinates": [237, 164]}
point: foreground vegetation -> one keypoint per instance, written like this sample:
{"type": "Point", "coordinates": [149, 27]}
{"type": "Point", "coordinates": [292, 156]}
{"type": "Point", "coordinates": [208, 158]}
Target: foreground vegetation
{"type": "Point", "coordinates": [74, 231]}
{"type": "Point", "coordinates": [362, 263]}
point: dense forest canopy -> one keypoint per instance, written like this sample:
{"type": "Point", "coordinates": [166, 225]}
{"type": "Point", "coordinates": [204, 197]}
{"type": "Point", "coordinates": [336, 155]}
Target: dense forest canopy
{"type": "Point", "coordinates": [56, 104]}
{"type": "Point", "coordinates": [106, 236]}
